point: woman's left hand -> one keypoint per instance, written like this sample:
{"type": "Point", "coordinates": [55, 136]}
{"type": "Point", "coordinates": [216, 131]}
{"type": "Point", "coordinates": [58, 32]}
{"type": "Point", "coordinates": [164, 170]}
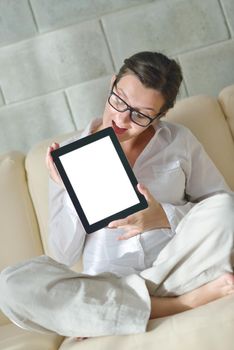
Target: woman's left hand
{"type": "Point", "coordinates": [153, 217]}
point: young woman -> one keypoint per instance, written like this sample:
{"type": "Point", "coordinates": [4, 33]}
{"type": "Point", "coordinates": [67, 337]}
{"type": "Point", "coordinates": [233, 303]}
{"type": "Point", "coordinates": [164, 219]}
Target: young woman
{"type": "Point", "coordinates": [157, 262]}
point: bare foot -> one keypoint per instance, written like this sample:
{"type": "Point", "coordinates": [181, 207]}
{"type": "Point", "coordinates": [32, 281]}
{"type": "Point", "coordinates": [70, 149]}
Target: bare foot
{"type": "Point", "coordinates": [222, 286]}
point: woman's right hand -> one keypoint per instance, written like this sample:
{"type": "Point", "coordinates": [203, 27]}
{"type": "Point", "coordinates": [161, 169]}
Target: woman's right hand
{"type": "Point", "coordinates": [51, 166]}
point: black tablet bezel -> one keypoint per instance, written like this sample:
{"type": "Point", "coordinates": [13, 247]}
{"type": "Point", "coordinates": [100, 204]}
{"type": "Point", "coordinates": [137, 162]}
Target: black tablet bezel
{"type": "Point", "coordinates": [89, 228]}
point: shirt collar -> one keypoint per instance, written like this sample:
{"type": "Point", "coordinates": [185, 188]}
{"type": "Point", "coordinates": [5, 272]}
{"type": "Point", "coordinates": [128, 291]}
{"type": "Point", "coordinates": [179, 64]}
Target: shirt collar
{"type": "Point", "coordinates": [162, 127]}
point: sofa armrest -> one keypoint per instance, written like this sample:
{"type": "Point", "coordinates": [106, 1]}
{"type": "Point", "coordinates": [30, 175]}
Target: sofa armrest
{"type": "Point", "coordinates": [37, 174]}
{"type": "Point", "coordinates": [19, 234]}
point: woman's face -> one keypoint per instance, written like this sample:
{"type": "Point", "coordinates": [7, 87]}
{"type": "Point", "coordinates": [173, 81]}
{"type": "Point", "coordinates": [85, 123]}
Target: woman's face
{"type": "Point", "coordinates": [145, 100]}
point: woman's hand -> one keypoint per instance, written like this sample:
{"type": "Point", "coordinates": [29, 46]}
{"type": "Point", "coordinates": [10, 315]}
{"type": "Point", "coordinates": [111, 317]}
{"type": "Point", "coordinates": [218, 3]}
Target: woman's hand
{"type": "Point", "coordinates": [150, 218]}
{"type": "Point", "coordinates": [50, 164]}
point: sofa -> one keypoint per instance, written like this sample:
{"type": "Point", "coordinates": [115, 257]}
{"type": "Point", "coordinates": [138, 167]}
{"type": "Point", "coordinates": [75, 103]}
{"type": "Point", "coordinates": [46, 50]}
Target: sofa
{"type": "Point", "coordinates": [24, 215]}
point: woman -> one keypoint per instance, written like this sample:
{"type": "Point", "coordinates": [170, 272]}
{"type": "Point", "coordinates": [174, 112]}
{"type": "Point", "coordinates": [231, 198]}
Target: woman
{"type": "Point", "coordinates": [154, 261]}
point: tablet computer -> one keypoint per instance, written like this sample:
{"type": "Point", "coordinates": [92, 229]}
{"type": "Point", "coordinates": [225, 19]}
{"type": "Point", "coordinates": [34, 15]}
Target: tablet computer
{"type": "Point", "coordinates": [98, 179]}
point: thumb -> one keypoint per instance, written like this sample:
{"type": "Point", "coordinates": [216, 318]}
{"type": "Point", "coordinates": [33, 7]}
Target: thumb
{"type": "Point", "coordinates": [144, 190]}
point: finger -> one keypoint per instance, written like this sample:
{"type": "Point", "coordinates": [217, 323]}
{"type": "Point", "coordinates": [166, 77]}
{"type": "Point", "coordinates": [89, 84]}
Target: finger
{"type": "Point", "coordinates": [118, 223]}
{"type": "Point", "coordinates": [49, 159]}
{"type": "Point", "coordinates": [146, 193]}
{"type": "Point", "coordinates": [48, 156]}
{"type": "Point", "coordinates": [51, 166]}
{"type": "Point", "coordinates": [55, 145]}
{"type": "Point", "coordinates": [51, 148]}
{"type": "Point", "coordinates": [129, 234]}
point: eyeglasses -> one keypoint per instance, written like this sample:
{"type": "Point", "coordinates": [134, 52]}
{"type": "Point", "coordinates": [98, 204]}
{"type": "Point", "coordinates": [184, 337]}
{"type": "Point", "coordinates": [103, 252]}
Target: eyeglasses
{"type": "Point", "coordinates": [121, 106]}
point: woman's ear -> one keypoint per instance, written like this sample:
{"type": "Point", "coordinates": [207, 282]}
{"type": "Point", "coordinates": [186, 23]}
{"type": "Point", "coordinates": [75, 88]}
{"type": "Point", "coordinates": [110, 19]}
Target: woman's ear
{"type": "Point", "coordinates": [113, 78]}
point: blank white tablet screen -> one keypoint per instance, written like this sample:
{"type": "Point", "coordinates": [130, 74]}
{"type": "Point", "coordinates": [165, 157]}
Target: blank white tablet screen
{"type": "Point", "coordinates": [99, 179]}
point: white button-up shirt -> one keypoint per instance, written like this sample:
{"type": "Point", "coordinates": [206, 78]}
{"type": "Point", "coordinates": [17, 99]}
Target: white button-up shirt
{"type": "Point", "coordinates": [178, 173]}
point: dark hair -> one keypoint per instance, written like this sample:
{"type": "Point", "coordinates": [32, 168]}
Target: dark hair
{"type": "Point", "coordinates": [155, 71]}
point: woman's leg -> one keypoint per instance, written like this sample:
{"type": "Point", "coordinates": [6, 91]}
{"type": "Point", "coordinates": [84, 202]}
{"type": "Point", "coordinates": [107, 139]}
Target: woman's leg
{"type": "Point", "coordinates": [43, 295]}
{"type": "Point", "coordinates": [201, 251]}
{"type": "Point", "coordinates": [165, 306]}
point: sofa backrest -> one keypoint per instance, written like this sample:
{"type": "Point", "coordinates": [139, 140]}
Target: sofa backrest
{"type": "Point", "coordinates": [213, 125]}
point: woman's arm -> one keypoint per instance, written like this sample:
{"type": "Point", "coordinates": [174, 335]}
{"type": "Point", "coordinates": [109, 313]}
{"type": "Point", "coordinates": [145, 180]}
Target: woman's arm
{"type": "Point", "coordinates": [66, 233]}
{"type": "Point", "coordinates": [153, 217]}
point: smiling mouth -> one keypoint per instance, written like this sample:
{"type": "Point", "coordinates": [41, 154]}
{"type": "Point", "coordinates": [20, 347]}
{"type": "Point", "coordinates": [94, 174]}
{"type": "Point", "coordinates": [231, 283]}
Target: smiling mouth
{"type": "Point", "coordinates": [118, 130]}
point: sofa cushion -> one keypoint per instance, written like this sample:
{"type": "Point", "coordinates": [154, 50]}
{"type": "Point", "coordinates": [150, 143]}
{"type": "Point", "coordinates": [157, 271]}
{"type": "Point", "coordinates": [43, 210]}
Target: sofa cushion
{"type": "Point", "coordinates": [204, 117]}
{"type": "Point", "coordinates": [209, 327]}
{"type": "Point", "coordinates": [14, 338]}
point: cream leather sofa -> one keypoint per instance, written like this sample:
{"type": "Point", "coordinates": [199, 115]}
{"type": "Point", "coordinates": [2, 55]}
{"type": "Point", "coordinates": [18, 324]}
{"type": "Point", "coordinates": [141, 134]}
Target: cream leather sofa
{"type": "Point", "coordinates": [23, 219]}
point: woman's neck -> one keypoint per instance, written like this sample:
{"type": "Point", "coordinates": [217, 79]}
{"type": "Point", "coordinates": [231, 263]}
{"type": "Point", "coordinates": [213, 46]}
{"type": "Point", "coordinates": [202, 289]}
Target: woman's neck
{"type": "Point", "coordinates": [133, 147]}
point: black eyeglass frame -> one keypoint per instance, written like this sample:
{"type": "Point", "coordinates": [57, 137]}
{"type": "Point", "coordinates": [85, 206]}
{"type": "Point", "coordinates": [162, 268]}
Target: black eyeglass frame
{"type": "Point", "coordinates": [131, 109]}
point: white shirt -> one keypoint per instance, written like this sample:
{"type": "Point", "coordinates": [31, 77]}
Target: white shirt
{"type": "Point", "coordinates": [178, 173]}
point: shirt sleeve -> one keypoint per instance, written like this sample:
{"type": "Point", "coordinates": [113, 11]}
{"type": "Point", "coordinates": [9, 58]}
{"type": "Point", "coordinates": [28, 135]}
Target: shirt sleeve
{"type": "Point", "coordinates": [66, 233]}
{"type": "Point", "coordinates": [203, 180]}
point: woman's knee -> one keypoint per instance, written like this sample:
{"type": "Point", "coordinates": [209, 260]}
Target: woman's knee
{"type": "Point", "coordinates": [7, 282]}
{"type": "Point", "coordinates": [10, 293]}
{"type": "Point", "coordinates": [16, 283]}
{"type": "Point", "coordinates": [219, 207]}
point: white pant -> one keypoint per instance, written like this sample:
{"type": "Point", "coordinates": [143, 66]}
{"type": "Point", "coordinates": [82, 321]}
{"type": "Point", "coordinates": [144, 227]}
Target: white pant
{"type": "Point", "coordinates": [43, 295]}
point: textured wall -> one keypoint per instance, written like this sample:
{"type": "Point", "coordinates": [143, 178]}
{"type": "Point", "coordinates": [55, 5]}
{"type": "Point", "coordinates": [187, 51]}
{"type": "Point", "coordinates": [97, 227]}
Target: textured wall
{"type": "Point", "coordinates": [57, 56]}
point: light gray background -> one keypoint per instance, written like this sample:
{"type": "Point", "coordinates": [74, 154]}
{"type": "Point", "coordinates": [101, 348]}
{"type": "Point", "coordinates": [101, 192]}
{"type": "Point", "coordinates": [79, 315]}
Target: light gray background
{"type": "Point", "coordinates": [57, 56]}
